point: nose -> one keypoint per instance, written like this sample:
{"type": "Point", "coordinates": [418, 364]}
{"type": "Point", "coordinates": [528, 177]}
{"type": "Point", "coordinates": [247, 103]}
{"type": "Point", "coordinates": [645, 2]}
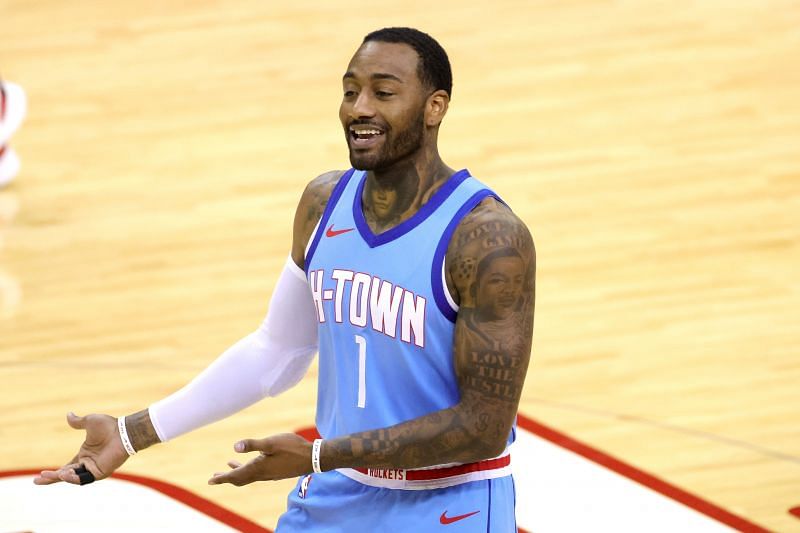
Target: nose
{"type": "Point", "coordinates": [362, 107]}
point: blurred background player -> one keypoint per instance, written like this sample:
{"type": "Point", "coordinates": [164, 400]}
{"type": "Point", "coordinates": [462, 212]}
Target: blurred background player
{"type": "Point", "coordinates": [12, 113]}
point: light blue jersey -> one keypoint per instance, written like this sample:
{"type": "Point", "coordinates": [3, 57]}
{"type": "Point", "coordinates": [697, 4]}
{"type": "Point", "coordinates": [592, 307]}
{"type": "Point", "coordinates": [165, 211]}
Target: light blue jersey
{"type": "Point", "coordinates": [386, 319]}
{"type": "Point", "coordinates": [386, 327]}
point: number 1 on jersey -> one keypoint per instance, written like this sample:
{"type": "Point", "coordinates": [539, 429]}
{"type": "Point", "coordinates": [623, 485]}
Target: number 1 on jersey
{"type": "Point", "coordinates": [362, 371]}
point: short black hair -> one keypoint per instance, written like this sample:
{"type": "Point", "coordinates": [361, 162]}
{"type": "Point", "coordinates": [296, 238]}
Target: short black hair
{"type": "Point", "coordinates": [434, 66]}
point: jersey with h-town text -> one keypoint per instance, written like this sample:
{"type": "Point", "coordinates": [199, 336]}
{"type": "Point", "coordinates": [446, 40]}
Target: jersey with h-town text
{"type": "Point", "coordinates": [386, 318]}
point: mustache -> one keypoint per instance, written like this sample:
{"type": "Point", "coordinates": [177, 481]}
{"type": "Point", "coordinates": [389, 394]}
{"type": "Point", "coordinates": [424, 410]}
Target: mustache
{"type": "Point", "coordinates": [361, 122]}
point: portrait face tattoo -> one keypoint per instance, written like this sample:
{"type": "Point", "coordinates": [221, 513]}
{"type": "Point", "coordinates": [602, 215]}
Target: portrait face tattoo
{"type": "Point", "coordinates": [382, 108]}
{"type": "Point", "coordinates": [382, 200]}
{"type": "Point", "coordinates": [499, 284]}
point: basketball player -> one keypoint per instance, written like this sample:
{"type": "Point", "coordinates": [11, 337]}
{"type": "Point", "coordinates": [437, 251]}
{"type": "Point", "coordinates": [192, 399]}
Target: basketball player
{"type": "Point", "coordinates": [415, 283]}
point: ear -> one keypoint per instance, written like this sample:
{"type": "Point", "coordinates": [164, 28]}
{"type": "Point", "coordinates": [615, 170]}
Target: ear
{"type": "Point", "coordinates": [436, 107]}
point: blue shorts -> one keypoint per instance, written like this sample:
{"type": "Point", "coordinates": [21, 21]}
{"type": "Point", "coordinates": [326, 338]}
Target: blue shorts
{"type": "Point", "coordinates": [331, 502]}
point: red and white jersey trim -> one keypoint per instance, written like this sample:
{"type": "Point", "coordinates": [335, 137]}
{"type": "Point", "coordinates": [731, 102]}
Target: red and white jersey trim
{"type": "Point", "coordinates": [432, 477]}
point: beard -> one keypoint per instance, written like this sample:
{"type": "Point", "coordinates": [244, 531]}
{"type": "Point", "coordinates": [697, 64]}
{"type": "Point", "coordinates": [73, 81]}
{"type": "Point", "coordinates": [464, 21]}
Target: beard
{"type": "Point", "coordinates": [392, 150]}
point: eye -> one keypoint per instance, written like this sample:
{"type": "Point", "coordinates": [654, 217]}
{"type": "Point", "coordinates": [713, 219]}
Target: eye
{"type": "Point", "coordinates": [497, 278]}
{"type": "Point", "coordinates": [383, 94]}
{"type": "Point", "coordinates": [349, 94]}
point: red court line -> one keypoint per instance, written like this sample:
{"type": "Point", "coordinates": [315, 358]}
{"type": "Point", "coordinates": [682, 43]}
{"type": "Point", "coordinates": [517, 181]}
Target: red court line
{"type": "Point", "coordinates": [795, 511]}
{"type": "Point", "coordinates": [197, 502]}
{"type": "Point", "coordinates": [194, 501]}
{"type": "Point", "coordinates": [648, 480]}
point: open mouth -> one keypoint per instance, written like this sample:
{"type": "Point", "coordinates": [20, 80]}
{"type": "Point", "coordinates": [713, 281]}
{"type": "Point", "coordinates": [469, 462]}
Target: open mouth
{"type": "Point", "coordinates": [365, 136]}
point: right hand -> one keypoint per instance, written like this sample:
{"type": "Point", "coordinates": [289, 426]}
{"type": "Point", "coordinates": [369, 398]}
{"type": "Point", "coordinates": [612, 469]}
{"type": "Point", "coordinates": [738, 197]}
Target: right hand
{"type": "Point", "coordinates": [101, 452]}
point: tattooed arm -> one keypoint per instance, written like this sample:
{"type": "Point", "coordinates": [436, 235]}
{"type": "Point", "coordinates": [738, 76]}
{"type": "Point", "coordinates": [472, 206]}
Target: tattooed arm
{"type": "Point", "coordinates": [491, 265]}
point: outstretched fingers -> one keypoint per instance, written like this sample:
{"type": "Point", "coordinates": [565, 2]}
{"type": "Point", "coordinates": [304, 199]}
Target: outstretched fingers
{"type": "Point", "coordinates": [48, 477]}
{"type": "Point", "coordinates": [233, 476]}
{"type": "Point", "coordinates": [66, 473]}
{"type": "Point", "coordinates": [239, 474]}
{"type": "Point", "coordinates": [217, 475]}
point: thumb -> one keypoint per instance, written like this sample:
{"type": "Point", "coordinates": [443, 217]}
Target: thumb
{"type": "Point", "coordinates": [253, 445]}
{"type": "Point", "coordinates": [75, 421]}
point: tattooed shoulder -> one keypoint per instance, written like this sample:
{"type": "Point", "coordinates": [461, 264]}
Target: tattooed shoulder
{"type": "Point", "coordinates": [490, 238]}
{"type": "Point", "coordinates": [315, 197]}
{"type": "Point", "coordinates": [309, 210]}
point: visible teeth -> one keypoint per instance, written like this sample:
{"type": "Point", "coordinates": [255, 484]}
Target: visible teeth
{"type": "Point", "coordinates": [367, 132]}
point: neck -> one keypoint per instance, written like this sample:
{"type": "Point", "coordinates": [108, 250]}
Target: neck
{"type": "Point", "coordinates": [394, 194]}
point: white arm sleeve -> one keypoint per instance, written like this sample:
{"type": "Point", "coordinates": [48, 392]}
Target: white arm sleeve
{"type": "Point", "coordinates": [267, 362]}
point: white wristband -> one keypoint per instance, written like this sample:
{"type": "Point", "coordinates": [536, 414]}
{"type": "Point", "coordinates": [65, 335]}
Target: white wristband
{"type": "Point", "coordinates": [315, 449]}
{"type": "Point", "coordinates": [123, 434]}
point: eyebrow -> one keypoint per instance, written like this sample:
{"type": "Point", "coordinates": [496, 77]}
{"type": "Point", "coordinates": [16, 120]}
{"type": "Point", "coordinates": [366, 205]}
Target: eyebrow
{"type": "Point", "coordinates": [375, 76]}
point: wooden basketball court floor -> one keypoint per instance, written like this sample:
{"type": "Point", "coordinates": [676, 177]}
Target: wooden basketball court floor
{"type": "Point", "coordinates": [652, 147]}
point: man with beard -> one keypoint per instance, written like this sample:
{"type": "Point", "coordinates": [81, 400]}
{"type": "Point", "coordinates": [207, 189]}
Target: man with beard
{"type": "Point", "coordinates": [415, 283]}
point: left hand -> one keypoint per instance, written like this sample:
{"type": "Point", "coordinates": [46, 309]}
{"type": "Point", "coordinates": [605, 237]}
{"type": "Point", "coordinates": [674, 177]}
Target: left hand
{"type": "Point", "coordinates": [281, 456]}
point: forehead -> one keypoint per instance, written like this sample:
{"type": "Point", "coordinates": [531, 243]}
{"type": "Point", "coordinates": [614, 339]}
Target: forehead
{"type": "Point", "coordinates": [378, 58]}
{"type": "Point", "coordinates": [503, 263]}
